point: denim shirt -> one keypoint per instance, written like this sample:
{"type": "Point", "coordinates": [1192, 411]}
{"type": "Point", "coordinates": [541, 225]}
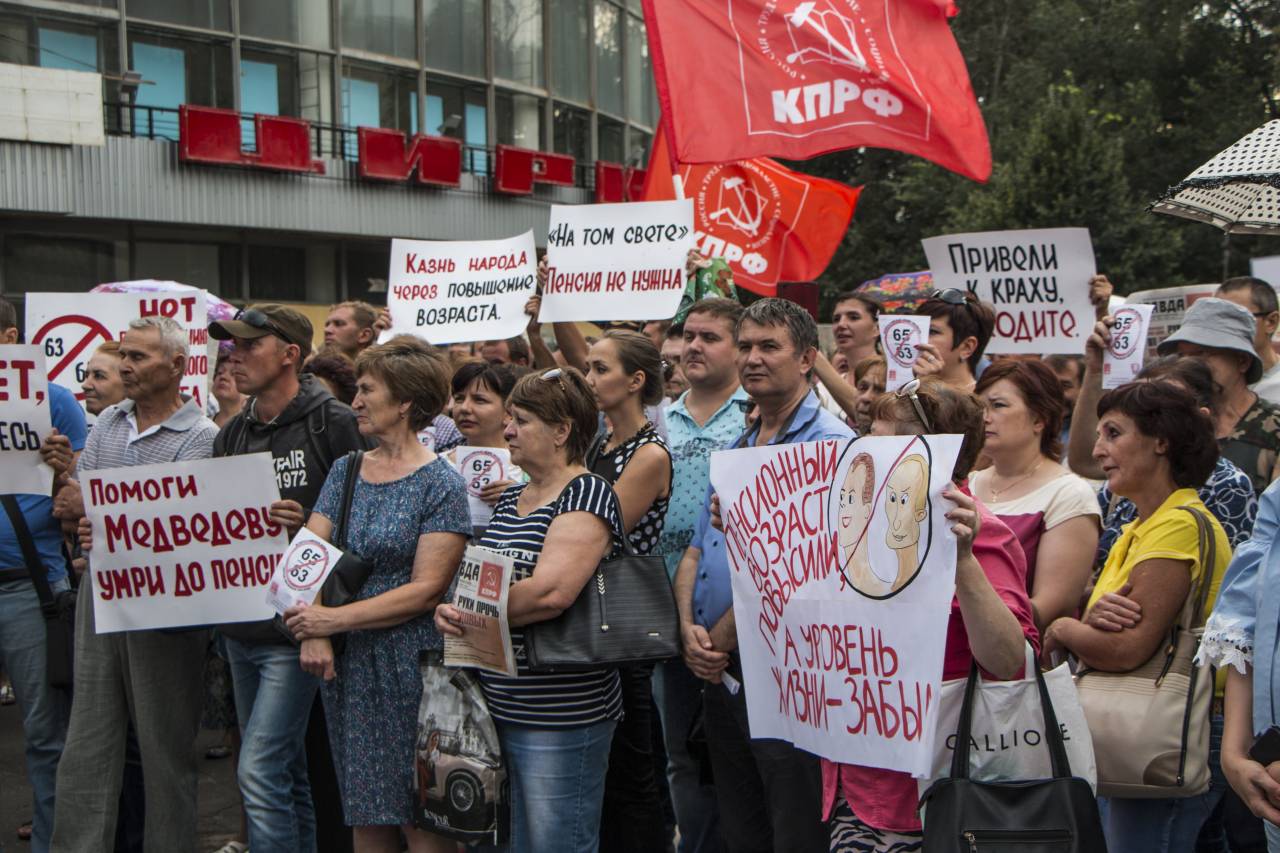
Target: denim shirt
{"type": "Point", "coordinates": [1245, 621]}
{"type": "Point", "coordinates": [712, 594]}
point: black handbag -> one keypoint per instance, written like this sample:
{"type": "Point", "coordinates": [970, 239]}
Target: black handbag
{"type": "Point", "coordinates": [350, 573]}
{"type": "Point", "coordinates": [1057, 815]}
{"type": "Point", "coordinates": [59, 610]}
{"type": "Point", "coordinates": [626, 614]}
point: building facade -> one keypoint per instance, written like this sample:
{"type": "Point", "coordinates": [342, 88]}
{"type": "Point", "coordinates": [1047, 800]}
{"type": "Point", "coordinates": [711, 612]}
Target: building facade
{"type": "Point", "coordinates": [496, 79]}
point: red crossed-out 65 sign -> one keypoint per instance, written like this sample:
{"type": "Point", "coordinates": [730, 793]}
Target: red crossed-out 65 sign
{"type": "Point", "coordinates": [64, 340]}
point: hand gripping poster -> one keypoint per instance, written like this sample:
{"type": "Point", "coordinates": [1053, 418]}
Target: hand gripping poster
{"type": "Point", "coordinates": [842, 565]}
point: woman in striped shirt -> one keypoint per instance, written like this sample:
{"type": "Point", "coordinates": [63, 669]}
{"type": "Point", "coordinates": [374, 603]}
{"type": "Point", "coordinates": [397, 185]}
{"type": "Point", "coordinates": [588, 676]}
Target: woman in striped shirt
{"type": "Point", "coordinates": [555, 729]}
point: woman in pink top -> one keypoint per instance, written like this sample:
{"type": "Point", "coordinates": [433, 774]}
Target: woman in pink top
{"type": "Point", "coordinates": [870, 809]}
{"type": "Point", "coordinates": [1053, 512]}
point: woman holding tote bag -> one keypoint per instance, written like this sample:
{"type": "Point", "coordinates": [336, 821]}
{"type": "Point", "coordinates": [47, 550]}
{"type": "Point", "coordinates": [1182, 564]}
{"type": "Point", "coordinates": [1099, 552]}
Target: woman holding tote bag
{"type": "Point", "coordinates": [1138, 633]}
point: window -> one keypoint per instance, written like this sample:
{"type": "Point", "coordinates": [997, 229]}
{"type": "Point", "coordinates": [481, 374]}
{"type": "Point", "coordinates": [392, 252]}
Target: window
{"type": "Point", "coordinates": [519, 120]}
{"type": "Point", "coordinates": [459, 110]}
{"type": "Point", "coordinates": [372, 98]}
{"type": "Point", "coordinates": [608, 45]}
{"type": "Point", "coordinates": [206, 14]}
{"type": "Point", "coordinates": [278, 273]}
{"type": "Point", "coordinates": [517, 40]}
{"type": "Point", "coordinates": [455, 35]}
{"type": "Point", "coordinates": [298, 21]}
{"type": "Point", "coordinates": [570, 41]}
{"type": "Point", "coordinates": [379, 26]}
{"type": "Point", "coordinates": [208, 265]}
{"type": "Point", "coordinates": [610, 146]}
{"type": "Point", "coordinates": [57, 264]}
{"type": "Point", "coordinates": [180, 72]}
{"type": "Point", "coordinates": [641, 100]}
{"type": "Point", "coordinates": [572, 132]}
{"type": "Point", "coordinates": [268, 85]}
{"type": "Point", "coordinates": [366, 269]}
{"type": "Point", "coordinates": [57, 44]}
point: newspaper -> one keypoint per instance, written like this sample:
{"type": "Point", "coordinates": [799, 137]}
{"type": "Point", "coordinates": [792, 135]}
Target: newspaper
{"type": "Point", "coordinates": [481, 595]}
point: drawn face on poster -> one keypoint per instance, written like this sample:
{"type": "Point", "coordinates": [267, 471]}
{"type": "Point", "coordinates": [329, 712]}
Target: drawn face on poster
{"type": "Point", "coordinates": [882, 524]}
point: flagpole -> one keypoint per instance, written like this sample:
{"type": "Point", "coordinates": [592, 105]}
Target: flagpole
{"type": "Point", "coordinates": [677, 184]}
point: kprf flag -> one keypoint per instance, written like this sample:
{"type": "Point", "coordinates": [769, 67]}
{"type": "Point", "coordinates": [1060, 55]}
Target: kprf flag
{"type": "Point", "coordinates": [746, 78]}
{"type": "Point", "coordinates": [769, 223]}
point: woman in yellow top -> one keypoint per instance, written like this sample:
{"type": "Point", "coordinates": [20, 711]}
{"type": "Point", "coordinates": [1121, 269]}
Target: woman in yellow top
{"type": "Point", "coordinates": [1156, 447]}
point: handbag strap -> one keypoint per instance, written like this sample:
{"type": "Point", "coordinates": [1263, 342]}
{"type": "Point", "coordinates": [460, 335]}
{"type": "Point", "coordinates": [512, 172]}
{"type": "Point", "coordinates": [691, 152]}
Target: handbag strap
{"type": "Point", "coordinates": [1058, 761]}
{"type": "Point", "coordinates": [35, 567]}
{"type": "Point", "coordinates": [354, 458]}
{"type": "Point", "coordinates": [1208, 565]}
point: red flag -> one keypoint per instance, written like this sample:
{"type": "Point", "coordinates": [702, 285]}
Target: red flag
{"type": "Point", "coordinates": [747, 78]}
{"type": "Point", "coordinates": [769, 223]}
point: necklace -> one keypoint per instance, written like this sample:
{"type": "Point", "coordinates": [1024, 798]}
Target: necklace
{"type": "Point", "coordinates": [996, 493]}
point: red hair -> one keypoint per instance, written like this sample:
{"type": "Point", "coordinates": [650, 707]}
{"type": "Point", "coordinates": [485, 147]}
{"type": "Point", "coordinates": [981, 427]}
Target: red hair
{"type": "Point", "coordinates": [1041, 392]}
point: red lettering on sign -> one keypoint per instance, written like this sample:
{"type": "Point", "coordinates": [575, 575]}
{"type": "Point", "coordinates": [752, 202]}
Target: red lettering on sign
{"type": "Point", "coordinates": [384, 156]}
{"type": "Point", "coordinates": [615, 183]}
{"type": "Point", "coordinates": [212, 135]}
{"type": "Point", "coordinates": [516, 170]}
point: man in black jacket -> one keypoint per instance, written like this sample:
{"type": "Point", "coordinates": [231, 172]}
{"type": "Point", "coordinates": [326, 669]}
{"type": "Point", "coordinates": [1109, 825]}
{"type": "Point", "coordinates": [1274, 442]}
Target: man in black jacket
{"type": "Point", "coordinates": [304, 428]}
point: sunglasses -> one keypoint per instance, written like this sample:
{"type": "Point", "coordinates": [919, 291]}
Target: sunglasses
{"type": "Point", "coordinates": [909, 391]}
{"type": "Point", "coordinates": [254, 317]}
{"type": "Point", "coordinates": [951, 296]}
{"type": "Point", "coordinates": [557, 375]}
{"type": "Point", "coordinates": [668, 370]}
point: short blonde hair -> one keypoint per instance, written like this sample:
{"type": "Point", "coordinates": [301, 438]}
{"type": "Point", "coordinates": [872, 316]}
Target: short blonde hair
{"type": "Point", "coordinates": [413, 372]}
{"type": "Point", "coordinates": [363, 313]}
{"type": "Point", "coordinates": [561, 396]}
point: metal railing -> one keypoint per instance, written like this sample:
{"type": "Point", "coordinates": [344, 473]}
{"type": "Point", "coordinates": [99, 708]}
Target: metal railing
{"type": "Point", "coordinates": [327, 140]}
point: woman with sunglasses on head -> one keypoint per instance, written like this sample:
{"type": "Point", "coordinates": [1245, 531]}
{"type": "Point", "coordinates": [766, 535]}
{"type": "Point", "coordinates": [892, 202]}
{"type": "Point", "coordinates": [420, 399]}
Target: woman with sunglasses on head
{"type": "Point", "coordinates": [871, 809]}
{"type": "Point", "coordinates": [960, 328]}
{"type": "Point", "coordinates": [1053, 512]}
{"type": "Point", "coordinates": [555, 729]}
{"type": "Point", "coordinates": [624, 371]}
{"type": "Point", "coordinates": [480, 392]}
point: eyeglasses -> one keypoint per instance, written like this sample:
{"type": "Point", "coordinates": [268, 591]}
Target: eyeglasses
{"type": "Point", "coordinates": [254, 317]}
{"type": "Point", "coordinates": [910, 390]}
{"type": "Point", "coordinates": [951, 296]}
{"type": "Point", "coordinates": [556, 374]}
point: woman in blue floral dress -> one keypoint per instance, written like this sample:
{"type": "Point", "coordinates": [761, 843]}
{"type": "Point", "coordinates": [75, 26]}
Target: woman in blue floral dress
{"type": "Point", "coordinates": [409, 518]}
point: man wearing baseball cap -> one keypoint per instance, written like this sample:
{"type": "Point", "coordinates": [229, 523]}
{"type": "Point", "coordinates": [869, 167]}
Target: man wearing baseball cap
{"type": "Point", "coordinates": [1221, 333]}
{"type": "Point", "coordinates": [304, 428]}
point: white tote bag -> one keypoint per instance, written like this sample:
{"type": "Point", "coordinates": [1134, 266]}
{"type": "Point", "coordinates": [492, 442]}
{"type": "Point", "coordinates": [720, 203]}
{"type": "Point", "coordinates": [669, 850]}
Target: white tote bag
{"type": "Point", "coordinates": [1008, 728]}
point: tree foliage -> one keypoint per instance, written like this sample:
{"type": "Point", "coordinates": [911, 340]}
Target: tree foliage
{"type": "Point", "coordinates": [1094, 107]}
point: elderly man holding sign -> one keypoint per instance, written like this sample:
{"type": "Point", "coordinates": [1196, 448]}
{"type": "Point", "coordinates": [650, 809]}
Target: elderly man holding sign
{"type": "Point", "coordinates": [154, 678]}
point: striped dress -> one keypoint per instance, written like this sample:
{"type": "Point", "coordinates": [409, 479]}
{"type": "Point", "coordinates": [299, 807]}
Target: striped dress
{"type": "Point", "coordinates": [557, 700]}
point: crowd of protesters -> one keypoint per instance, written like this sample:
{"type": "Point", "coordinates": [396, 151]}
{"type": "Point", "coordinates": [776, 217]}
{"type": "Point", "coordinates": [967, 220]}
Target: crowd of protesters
{"type": "Point", "coordinates": [1064, 503]}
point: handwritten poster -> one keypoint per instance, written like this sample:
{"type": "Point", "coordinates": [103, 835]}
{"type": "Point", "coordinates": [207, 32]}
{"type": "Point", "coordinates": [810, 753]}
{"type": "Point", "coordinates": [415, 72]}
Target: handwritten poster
{"type": "Point", "coordinates": [473, 290]}
{"type": "Point", "coordinates": [24, 421]}
{"type": "Point", "coordinates": [481, 596]}
{"type": "Point", "coordinates": [70, 327]}
{"type": "Point", "coordinates": [1036, 280]}
{"type": "Point", "coordinates": [1123, 358]}
{"type": "Point", "coordinates": [900, 338]}
{"type": "Point", "coordinates": [616, 261]}
{"type": "Point", "coordinates": [182, 544]}
{"type": "Point", "coordinates": [307, 563]}
{"type": "Point", "coordinates": [843, 569]}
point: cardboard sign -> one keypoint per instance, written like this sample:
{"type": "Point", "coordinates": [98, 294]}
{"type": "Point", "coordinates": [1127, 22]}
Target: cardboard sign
{"type": "Point", "coordinates": [297, 579]}
{"type": "Point", "coordinates": [480, 467]}
{"type": "Point", "coordinates": [183, 544]}
{"type": "Point", "coordinates": [900, 337]}
{"type": "Point", "coordinates": [24, 421]}
{"type": "Point", "coordinates": [1037, 281]}
{"type": "Point", "coordinates": [481, 595]}
{"type": "Point", "coordinates": [1123, 359]}
{"type": "Point", "coordinates": [1171, 304]}
{"type": "Point", "coordinates": [473, 290]}
{"type": "Point", "coordinates": [842, 565]}
{"type": "Point", "coordinates": [71, 326]}
{"type": "Point", "coordinates": [616, 261]}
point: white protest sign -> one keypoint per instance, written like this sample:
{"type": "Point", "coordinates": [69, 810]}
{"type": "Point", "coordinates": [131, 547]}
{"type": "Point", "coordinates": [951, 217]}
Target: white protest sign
{"type": "Point", "coordinates": [183, 543]}
{"type": "Point", "coordinates": [1122, 360]}
{"type": "Point", "coordinates": [24, 421]}
{"type": "Point", "coordinates": [473, 290]}
{"type": "Point", "coordinates": [71, 326]}
{"type": "Point", "coordinates": [616, 261]}
{"type": "Point", "coordinates": [481, 596]}
{"type": "Point", "coordinates": [842, 565]}
{"type": "Point", "coordinates": [1171, 304]}
{"type": "Point", "coordinates": [1266, 268]}
{"type": "Point", "coordinates": [900, 337]}
{"type": "Point", "coordinates": [297, 579]}
{"type": "Point", "coordinates": [481, 466]}
{"type": "Point", "coordinates": [1037, 281]}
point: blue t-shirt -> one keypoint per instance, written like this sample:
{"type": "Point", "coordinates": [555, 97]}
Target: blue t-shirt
{"type": "Point", "coordinates": [67, 418]}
